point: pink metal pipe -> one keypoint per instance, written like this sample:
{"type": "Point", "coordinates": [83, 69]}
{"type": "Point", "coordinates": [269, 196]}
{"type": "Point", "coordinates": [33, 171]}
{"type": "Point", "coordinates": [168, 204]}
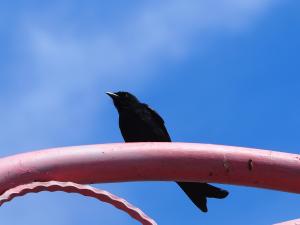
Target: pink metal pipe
{"type": "Point", "coordinates": [154, 161]}
{"type": "Point", "coordinates": [291, 222]}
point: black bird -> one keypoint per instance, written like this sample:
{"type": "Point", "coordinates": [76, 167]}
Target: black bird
{"type": "Point", "coordinates": [139, 123]}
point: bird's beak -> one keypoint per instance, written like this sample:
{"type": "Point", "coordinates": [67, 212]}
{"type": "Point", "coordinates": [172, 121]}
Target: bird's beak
{"type": "Point", "coordinates": [112, 95]}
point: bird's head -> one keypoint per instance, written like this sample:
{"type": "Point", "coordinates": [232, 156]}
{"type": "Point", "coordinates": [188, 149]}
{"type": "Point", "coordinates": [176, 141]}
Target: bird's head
{"type": "Point", "coordinates": [123, 100]}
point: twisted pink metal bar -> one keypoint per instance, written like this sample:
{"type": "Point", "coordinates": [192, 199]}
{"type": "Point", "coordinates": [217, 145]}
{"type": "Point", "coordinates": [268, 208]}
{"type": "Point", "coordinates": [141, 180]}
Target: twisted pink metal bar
{"type": "Point", "coordinates": [291, 222]}
{"type": "Point", "coordinates": [154, 161]}
{"type": "Point", "coordinates": [71, 187]}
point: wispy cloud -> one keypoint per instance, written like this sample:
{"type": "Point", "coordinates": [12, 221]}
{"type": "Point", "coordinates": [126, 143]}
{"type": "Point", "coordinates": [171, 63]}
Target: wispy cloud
{"type": "Point", "coordinates": [163, 29]}
{"type": "Point", "coordinates": [65, 63]}
{"type": "Point", "coordinates": [66, 66]}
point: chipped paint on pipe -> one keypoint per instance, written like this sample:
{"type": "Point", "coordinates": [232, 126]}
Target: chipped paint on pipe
{"type": "Point", "coordinates": [154, 161]}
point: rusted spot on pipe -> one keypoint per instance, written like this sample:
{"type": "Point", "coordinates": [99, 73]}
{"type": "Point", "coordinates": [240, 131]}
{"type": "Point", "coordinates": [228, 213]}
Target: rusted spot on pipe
{"type": "Point", "coordinates": [250, 164]}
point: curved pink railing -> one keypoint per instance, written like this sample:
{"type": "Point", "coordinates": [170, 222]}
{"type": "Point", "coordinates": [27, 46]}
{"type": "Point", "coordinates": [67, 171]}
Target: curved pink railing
{"type": "Point", "coordinates": [142, 161]}
{"type": "Point", "coordinates": [291, 222]}
{"type": "Point", "coordinates": [85, 190]}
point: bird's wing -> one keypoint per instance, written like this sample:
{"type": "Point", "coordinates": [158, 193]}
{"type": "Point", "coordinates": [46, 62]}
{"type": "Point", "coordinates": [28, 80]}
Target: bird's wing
{"type": "Point", "coordinates": [160, 122]}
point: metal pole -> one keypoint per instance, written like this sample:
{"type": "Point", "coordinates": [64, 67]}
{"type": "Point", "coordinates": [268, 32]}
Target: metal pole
{"type": "Point", "coordinates": [154, 161]}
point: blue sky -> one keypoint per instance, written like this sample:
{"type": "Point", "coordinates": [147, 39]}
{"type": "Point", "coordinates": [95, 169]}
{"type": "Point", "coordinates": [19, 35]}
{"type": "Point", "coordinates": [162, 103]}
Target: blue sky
{"type": "Point", "coordinates": [223, 72]}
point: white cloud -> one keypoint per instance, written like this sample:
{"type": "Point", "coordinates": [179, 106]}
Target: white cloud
{"type": "Point", "coordinates": [157, 30]}
{"type": "Point", "coordinates": [65, 66]}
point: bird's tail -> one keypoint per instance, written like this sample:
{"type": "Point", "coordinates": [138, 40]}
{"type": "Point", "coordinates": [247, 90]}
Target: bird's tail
{"type": "Point", "coordinates": [198, 192]}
